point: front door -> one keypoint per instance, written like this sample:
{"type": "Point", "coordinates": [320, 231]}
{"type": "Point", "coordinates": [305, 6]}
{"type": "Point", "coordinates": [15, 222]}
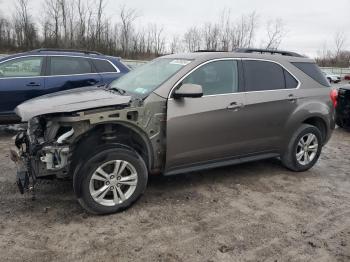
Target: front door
{"type": "Point", "coordinates": [20, 80]}
{"type": "Point", "coordinates": [200, 130]}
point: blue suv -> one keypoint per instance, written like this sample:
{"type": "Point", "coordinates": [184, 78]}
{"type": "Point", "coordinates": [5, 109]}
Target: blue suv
{"type": "Point", "coordinates": [27, 75]}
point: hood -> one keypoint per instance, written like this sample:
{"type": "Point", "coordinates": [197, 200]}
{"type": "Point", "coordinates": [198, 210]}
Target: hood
{"type": "Point", "coordinates": [69, 101]}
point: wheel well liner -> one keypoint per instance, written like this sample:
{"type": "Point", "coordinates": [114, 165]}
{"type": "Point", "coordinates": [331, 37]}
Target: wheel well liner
{"type": "Point", "coordinates": [112, 134]}
{"type": "Point", "coordinates": [320, 123]}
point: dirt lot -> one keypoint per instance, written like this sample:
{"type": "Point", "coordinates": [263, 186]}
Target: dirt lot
{"type": "Point", "coordinates": [251, 212]}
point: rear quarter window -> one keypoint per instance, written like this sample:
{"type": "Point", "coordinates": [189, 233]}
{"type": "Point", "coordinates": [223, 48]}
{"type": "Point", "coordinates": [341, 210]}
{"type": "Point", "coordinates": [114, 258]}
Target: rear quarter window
{"type": "Point", "coordinates": [313, 71]}
{"type": "Point", "coordinates": [104, 66]}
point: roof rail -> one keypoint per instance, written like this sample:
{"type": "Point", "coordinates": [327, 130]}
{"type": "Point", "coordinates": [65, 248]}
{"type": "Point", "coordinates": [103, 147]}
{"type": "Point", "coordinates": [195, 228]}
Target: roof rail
{"type": "Point", "coordinates": [207, 51]}
{"type": "Point", "coordinates": [266, 51]}
{"type": "Point", "coordinates": [66, 50]}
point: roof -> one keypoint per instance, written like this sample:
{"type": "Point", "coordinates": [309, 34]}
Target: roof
{"type": "Point", "coordinates": [217, 55]}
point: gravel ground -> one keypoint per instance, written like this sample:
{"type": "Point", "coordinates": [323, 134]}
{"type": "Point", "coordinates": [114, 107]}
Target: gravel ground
{"type": "Point", "coordinates": [251, 212]}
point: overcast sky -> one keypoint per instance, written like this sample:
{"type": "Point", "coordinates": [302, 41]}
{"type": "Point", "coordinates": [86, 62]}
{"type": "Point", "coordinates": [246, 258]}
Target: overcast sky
{"type": "Point", "coordinates": [310, 24]}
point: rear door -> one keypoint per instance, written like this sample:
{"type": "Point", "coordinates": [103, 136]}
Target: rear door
{"type": "Point", "coordinates": [68, 72]}
{"type": "Point", "coordinates": [20, 79]}
{"type": "Point", "coordinates": [271, 93]}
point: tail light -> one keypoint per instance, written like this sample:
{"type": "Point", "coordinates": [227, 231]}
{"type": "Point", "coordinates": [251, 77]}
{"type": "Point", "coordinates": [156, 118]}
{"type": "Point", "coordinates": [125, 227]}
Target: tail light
{"type": "Point", "coordinates": [334, 97]}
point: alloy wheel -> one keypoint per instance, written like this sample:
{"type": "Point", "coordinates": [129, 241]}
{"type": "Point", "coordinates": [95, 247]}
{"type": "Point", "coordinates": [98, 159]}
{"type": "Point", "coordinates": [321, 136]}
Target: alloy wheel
{"type": "Point", "coordinates": [113, 182]}
{"type": "Point", "coordinates": [307, 149]}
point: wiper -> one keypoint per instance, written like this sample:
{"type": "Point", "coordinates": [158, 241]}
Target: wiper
{"type": "Point", "coordinates": [119, 90]}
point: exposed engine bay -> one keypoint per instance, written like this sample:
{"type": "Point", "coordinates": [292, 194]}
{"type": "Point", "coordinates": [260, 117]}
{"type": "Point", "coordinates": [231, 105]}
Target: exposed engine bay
{"type": "Point", "coordinates": [54, 144]}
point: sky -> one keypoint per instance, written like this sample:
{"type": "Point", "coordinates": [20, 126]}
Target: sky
{"type": "Point", "coordinates": [310, 24]}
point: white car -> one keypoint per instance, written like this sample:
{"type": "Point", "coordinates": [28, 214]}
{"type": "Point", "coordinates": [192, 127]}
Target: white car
{"type": "Point", "coordinates": [332, 78]}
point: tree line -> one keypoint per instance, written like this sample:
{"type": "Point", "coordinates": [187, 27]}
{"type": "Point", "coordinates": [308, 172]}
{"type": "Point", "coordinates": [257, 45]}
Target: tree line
{"type": "Point", "coordinates": [84, 24]}
{"type": "Point", "coordinates": [337, 55]}
{"type": "Point", "coordinates": [79, 24]}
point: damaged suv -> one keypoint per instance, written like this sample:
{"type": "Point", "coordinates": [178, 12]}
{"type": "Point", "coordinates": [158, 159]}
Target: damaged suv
{"type": "Point", "coordinates": [176, 114]}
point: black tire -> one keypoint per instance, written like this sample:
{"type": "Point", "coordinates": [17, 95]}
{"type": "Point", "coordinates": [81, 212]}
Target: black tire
{"type": "Point", "coordinates": [82, 179]}
{"type": "Point", "coordinates": [330, 80]}
{"type": "Point", "coordinates": [289, 158]}
{"type": "Point", "coordinates": [339, 123]}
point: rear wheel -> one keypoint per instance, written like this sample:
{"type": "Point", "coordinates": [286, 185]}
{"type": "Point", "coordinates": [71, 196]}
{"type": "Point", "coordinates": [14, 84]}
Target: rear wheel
{"type": "Point", "coordinates": [111, 180]}
{"type": "Point", "coordinates": [303, 149]}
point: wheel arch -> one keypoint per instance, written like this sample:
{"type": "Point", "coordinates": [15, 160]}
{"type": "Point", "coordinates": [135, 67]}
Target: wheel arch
{"type": "Point", "coordinates": [320, 123]}
{"type": "Point", "coordinates": [111, 135]}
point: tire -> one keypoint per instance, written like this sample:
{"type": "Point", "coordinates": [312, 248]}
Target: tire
{"type": "Point", "coordinates": [290, 159]}
{"type": "Point", "coordinates": [330, 80]}
{"type": "Point", "coordinates": [339, 123]}
{"type": "Point", "coordinates": [111, 180]}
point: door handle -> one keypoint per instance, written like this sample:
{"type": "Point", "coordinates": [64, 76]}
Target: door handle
{"type": "Point", "coordinates": [235, 106]}
{"type": "Point", "coordinates": [33, 84]}
{"type": "Point", "coordinates": [292, 98]}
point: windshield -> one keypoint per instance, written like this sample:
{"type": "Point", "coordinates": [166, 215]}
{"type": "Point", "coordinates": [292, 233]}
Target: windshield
{"type": "Point", "coordinates": [144, 79]}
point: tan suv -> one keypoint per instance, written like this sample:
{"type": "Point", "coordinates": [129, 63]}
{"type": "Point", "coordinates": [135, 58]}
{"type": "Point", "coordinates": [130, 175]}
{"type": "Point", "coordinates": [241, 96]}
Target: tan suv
{"type": "Point", "coordinates": [176, 114]}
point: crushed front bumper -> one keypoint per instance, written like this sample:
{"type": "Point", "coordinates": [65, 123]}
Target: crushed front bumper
{"type": "Point", "coordinates": [25, 179]}
{"type": "Point", "coordinates": [22, 177]}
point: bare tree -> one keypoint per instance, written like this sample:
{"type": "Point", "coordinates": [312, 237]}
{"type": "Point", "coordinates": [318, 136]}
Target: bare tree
{"type": "Point", "coordinates": [225, 25]}
{"type": "Point", "coordinates": [53, 11]}
{"type": "Point", "coordinates": [127, 17]}
{"type": "Point", "coordinates": [24, 27]}
{"type": "Point", "coordinates": [339, 41]}
{"type": "Point", "coordinates": [81, 21]}
{"type": "Point", "coordinates": [100, 12]}
{"type": "Point", "coordinates": [275, 32]}
{"type": "Point", "coordinates": [211, 34]}
{"type": "Point", "coordinates": [192, 39]}
{"type": "Point", "coordinates": [175, 45]}
{"type": "Point", "coordinates": [158, 39]}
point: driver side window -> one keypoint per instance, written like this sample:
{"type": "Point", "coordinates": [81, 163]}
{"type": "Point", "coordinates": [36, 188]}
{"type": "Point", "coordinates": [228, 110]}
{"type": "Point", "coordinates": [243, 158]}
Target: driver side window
{"type": "Point", "coordinates": [218, 77]}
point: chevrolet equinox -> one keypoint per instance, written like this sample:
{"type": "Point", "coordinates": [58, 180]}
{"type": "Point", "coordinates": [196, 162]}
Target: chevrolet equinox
{"type": "Point", "coordinates": [176, 114]}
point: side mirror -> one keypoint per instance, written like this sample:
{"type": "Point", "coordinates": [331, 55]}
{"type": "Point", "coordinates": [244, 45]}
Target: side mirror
{"type": "Point", "coordinates": [189, 90]}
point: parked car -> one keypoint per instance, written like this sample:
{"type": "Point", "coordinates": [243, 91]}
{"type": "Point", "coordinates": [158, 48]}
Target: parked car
{"type": "Point", "coordinates": [347, 77]}
{"type": "Point", "coordinates": [342, 98]}
{"type": "Point", "coordinates": [332, 78]}
{"type": "Point", "coordinates": [176, 114]}
{"type": "Point", "coordinates": [35, 73]}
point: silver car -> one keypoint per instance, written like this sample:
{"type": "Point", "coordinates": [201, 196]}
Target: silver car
{"type": "Point", "coordinates": [176, 114]}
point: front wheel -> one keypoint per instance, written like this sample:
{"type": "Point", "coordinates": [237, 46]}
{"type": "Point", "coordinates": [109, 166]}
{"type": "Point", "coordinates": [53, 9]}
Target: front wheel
{"type": "Point", "coordinates": [111, 180]}
{"type": "Point", "coordinates": [304, 148]}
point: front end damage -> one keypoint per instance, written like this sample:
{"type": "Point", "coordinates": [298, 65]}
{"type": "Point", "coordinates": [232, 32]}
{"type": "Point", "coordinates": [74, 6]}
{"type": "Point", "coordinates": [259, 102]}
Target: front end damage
{"type": "Point", "coordinates": [53, 144]}
{"type": "Point", "coordinates": [37, 157]}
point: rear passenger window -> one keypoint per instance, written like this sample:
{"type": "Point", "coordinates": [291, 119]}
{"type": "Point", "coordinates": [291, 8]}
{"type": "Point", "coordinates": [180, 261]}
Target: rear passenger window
{"type": "Point", "coordinates": [313, 71]}
{"type": "Point", "coordinates": [104, 66]}
{"type": "Point", "coordinates": [262, 75]}
{"type": "Point", "coordinates": [220, 77]}
{"type": "Point", "coordinates": [61, 65]}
